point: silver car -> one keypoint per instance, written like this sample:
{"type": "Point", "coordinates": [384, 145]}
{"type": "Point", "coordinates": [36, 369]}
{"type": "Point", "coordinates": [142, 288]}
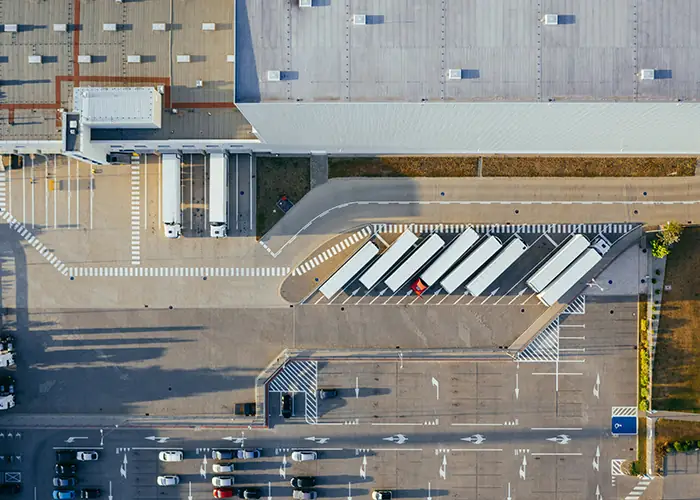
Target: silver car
{"type": "Point", "coordinates": [222, 481]}
{"type": "Point", "coordinates": [304, 494]}
{"type": "Point", "coordinates": [168, 480]}
{"type": "Point", "coordinates": [304, 456]}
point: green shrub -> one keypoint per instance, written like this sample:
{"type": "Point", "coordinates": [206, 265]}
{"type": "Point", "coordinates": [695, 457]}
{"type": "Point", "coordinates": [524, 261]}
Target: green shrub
{"type": "Point", "coordinates": [658, 272]}
{"type": "Point", "coordinates": [644, 405]}
{"type": "Point", "coordinates": [659, 250]}
{"type": "Point", "coordinates": [634, 468]}
{"type": "Point", "coordinates": [678, 446]}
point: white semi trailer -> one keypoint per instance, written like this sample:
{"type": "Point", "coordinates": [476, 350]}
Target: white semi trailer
{"type": "Point", "coordinates": [218, 195]}
{"type": "Point", "coordinates": [172, 216]}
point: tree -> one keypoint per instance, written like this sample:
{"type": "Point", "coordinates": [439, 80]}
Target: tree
{"type": "Point", "coordinates": [658, 249]}
{"type": "Point", "coordinates": [671, 233]}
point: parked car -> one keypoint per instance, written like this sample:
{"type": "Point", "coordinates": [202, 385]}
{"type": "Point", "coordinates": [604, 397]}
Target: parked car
{"type": "Point", "coordinates": [223, 493]}
{"type": "Point", "coordinates": [63, 494]}
{"type": "Point", "coordinates": [381, 495]}
{"type": "Point", "coordinates": [65, 469]}
{"type": "Point", "coordinates": [10, 488]}
{"type": "Point", "coordinates": [247, 454]}
{"type": "Point", "coordinates": [327, 393]}
{"type": "Point", "coordinates": [223, 454]}
{"type": "Point", "coordinates": [7, 343]}
{"type": "Point", "coordinates": [171, 456]}
{"type": "Point", "coordinates": [7, 360]}
{"type": "Point", "coordinates": [65, 482]}
{"type": "Point", "coordinates": [303, 482]}
{"type": "Point", "coordinates": [304, 456]}
{"type": "Point", "coordinates": [222, 481]}
{"type": "Point", "coordinates": [90, 493]}
{"type": "Point", "coordinates": [168, 480]}
{"type": "Point", "coordinates": [286, 405]}
{"type": "Point", "coordinates": [63, 456]}
{"type": "Point", "coordinates": [87, 456]}
{"type": "Point", "coordinates": [249, 493]}
{"type": "Point", "coordinates": [304, 494]}
{"type": "Point", "coordinates": [219, 468]}
{"type": "Point", "coordinates": [7, 385]}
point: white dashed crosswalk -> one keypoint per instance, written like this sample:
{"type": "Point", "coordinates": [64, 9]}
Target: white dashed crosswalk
{"type": "Point", "coordinates": [544, 347]}
{"type": "Point", "coordinates": [3, 193]}
{"type": "Point", "coordinates": [507, 228]}
{"type": "Point", "coordinates": [353, 239]}
{"type": "Point", "coordinates": [178, 272]}
{"type": "Point", "coordinates": [34, 241]}
{"type": "Point", "coordinates": [135, 211]}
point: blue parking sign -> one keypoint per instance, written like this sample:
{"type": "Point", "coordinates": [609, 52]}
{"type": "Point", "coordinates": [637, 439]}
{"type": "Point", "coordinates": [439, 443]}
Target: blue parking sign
{"type": "Point", "coordinates": [624, 426]}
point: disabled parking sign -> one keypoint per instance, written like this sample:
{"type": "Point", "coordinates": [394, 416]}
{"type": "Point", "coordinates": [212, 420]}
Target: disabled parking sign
{"type": "Point", "coordinates": [624, 425]}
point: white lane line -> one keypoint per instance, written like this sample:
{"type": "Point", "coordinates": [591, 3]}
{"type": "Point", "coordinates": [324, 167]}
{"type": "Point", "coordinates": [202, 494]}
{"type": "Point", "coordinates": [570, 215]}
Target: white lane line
{"type": "Point", "coordinates": [145, 194]}
{"type": "Point", "coordinates": [24, 194]}
{"type": "Point", "coordinates": [491, 424]}
{"type": "Point", "coordinates": [191, 194]}
{"type": "Point", "coordinates": [92, 194]}
{"type": "Point", "coordinates": [250, 190]}
{"type": "Point", "coordinates": [557, 454]}
{"type": "Point", "coordinates": [46, 191]}
{"type": "Point", "coordinates": [237, 195]}
{"type": "Point", "coordinates": [77, 194]}
{"type": "Point", "coordinates": [160, 192]}
{"type": "Point", "coordinates": [556, 428]}
{"type": "Point", "coordinates": [69, 193]}
{"type": "Point", "coordinates": [560, 373]}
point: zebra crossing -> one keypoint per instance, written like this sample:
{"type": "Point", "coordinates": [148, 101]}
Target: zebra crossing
{"type": "Point", "coordinates": [299, 377]}
{"type": "Point", "coordinates": [135, 210]}
{"type": "Point", "coordinates": [3, 193]}
{"type": "Point", "coordinates": [544, 347]}
{"type": "Point", "coordinates": [507, 228]}
{"type": "Point", "coordinates": [576, 306]}
{"type": "Point", "coordinates": [178, 272]}
{"type": "Point", "coordinates": [641, 487]}
{"type": "Point", "coordinates": [34, 241]}
{"type": "Point", "coordinates": [351, 240]}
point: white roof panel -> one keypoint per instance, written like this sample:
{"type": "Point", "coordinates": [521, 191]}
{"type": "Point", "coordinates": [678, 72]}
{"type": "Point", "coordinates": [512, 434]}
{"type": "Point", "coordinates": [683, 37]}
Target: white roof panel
{"type": "Point", "coordinates": [118, 107]}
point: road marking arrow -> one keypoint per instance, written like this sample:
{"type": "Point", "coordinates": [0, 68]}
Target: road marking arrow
{"type": "Point", "coordinates": [401, 359]}
{"type": "Point", "coordinates": [110, 491]}
{"type": "Point", "coordinates": [523, 468]}
{"type": "Point", "coordinates": [517, 388]}
{"type": "Point", "coordinates": [363, 467]}
{"type": "Point", "coordinates": [398, 439]}
{"type": "Point", "coordinates": [476, 439]}
{"type": "Point", "coordinates": [509, 497]}
{"type": "Point", "coordinates": [69, 440]}
{"type": "Point", "coordinates": [596, 460]}
{"type": "Point", "coordinates": [189, 497]}
{"type": "Point", "coordinates": [203, 467]}
{"type": "Point", "coordinates": [596, 387]}
{"type": "Point", "coordinates": [283, 468]}
{"type": "Point", "coordinates": [160, 440]}
{"type": "Point", "coordinates": [357, 387]}
{"type": "Point", "coordinates": [122, 469]}
{"type": "Point", "coordinates": [560, 439]}
{"type": "Point", "coordinates": [317, 440]}
{"type": "Point", "coordinates": [436, 384]}
{"type": "Point", "coordinates": [429, 497]}
{"type": "Point", "coordinates": [349, 491]}
{"type": "Point", "coordinates": [102, 437]}
{"type": "Point", "coordinates": [269, 490]}
{"type": "Point", "coordinates": [443, 468]}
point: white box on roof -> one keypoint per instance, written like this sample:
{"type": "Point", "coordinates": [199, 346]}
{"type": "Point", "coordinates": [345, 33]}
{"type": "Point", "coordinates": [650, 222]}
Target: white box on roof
{"type": "Point", "coordinates": [133, 59]}
{"type": "Point", "coordinates": [109, 27]}
{"type": "Point", "coordinates": [84, 59]}
{"type": "Point", "coordinates": [118, 107]}
{"type": "Point", "coordinates": [11, 28]}
{"type": "Point", "coordinates": [208, 26]}
{"type": "Point", "coordinates": [647, 74]}
{"type": "Point", "coordinates": [551, 19]}
{"type": "Point", "coordinates": [306, 3]}
{"type": "Point", "coordinates": [274, 75]}
{"type": "Point", "coordinates": [60, 27]}
{"type": "Point", "coordinates": [454, 74]}
{"type": "Point", "coordinates": [34, 59]}
{"type": "Point", "coordinates": [359, 19]}
{"type": "Point", "coordinates": [183, 58]}
{"type": "Point", "coordinates": [158, 26]}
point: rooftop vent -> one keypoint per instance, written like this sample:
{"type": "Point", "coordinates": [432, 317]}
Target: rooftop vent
{"type": "Point", "coordinates": [60, 27]}
{"type": "Point", "coordinates": [306, 3]}
{"type": "Point", "coordinates": [274, 76]}
{"type": "Point", "coordinates": [550, 19]}
{"type": "Point", "coordinates": [109, 27]}
{"type": "Point", "coordinates": [359, 19]}
{"type": "Point", "coordinates": [84, 59]}
{"type": "Point", "coordinates": [199, 83]}
{"type": "Point", "coordinates": [158, 26]}
{"type": "Point", "coordinates": [454, 74]}
{"type": "Point", "coordinates": [34, 59]}
{"type": "Point", "coordinates": [11, 28]}
{"type": "Point", "coordinates": [183, 58]}
{"type": "Point", "coordinates": [133, 59]}
{"type": "Point", "coordinates": [231, 58]}
{"type": "Point", "coordinates": [208, 26]}
{"type": "Point", "coordinates": [647, 74]}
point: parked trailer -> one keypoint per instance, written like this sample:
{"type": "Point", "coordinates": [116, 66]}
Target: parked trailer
{"type": "Point", "coordinates": [446, 260]}
{"type": "Point", "coordinates": [581, 266]}
{"type": "Point", "coordinates": [172, 216]}
{"type": "Point", "coordinates": [218, 195]}
{"type": "Point", "coordinates": [505, 258]}
{"type": "Point", "coordinates": [375, 272]}
{"type": "Point", "coordinates": [349, 270]}
{"type": "Point", "coordinates": [412, 265]}
{"type": "Point", "coordinates": [554, 266]}
{"type": "Point", "coordinates": [471, 264]}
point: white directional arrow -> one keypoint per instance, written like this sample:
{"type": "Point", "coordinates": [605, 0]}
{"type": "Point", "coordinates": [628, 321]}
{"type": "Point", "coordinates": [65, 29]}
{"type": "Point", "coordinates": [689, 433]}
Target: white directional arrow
{"type": "Point", "coordinates": [476, 439]}
{"type": "Point", "coordinates": [596, 387]}
{"type": "Point", "coordinates": [401, 359]}
{"type": "Point", "coordinates": [283, 468]}
{"type": "Point", "coordinates": [598, 496]}
{"type": "Point", "coordinates": [102, 437]}
{"type": "Point", "coordinates": [443, 468]}
{"type": "Point", "coordinates": [110, 491]}
{"type": "Point", "coordinates": [429, 497]}
{"type": "Point", "coordinates": [517, 388]}
{"type": "Point", "coordinates": [509, 497]}
{"type": "Point", "coordinates": [523, 468]}
{"type": "Point", "coordinates": [349, 491]}
{"type": "Point", "coordinates": [357, 387]}
{"type": "Point", "coordinates": [436, 384]}
{"type": "Point", "coordinates": [560, 439]}
{"type": "Point", "coordinates": [363, 467]}
{"type": "Point", "coordinates": [69, 440]}
{"type": "Point", "coordinates": [596, 460]}
{"type": "Point", "coordinates": [122, 469]}
{"type": "Point", "coordinates": [317, 440]}
{"type": "Point", "coordinates": [203, 467]}
{"type": "Point", "coordinates": [269, 490]}
{"type": "Point", "coordinates": [160, 440]}
{"type": "Point", "coordinates": [189, 496]}
{"type": "Point", "coordinates": [236, 440]}
{"type": "Point", "coordinates": [398, 439]}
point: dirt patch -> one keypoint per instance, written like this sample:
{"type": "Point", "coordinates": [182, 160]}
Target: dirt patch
{"type": "Point", "coordinates": [676, 377]}
{"type": "Point", "coordinates": [545, 166]}
{"type": "Point", "coordinates": [403, 166]}
{"type": "Point", "coordinates": [668, 432]}
{"type": "Point", "coordinates": [277, 177]}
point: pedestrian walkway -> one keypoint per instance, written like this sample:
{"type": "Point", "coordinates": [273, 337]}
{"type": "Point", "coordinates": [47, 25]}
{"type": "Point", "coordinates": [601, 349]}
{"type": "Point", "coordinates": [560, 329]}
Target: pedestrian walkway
{"type": "Point", "coordinates": [351, 240]}
{"type": "Point", "coordinates": [544, 347]}
{"type": "Point", "coordinates": [299, 377]}
{"type": "Point", "coordinates": [34, 241]}
{"type": "Point", "coordinates": [179, 272]}
{"type": "Point", "coordinates": [135, 210]}
{"type": "Point", "coordinates": [641, 487]}
{"type": "Point", "coordinates": [577, 306]}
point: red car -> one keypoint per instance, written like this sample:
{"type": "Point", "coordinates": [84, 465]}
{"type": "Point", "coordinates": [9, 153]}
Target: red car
{"type": "Point", "coordinates": [223, 493]}
{"type": "Point", "coordinates": [419, 287]}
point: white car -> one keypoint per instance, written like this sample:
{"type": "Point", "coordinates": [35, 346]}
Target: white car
{"type": "Point", "coordinates": [168, 480]}
{"type": "Point", "coordinates": [222, 481]}
{"type": "Point", "coordinates": [87, 456]}
{"type": "Point", "coordinates": [219, 468]}
{"type": "Point", "coordinates": [7, 360]}
{"type": "Point", "coordinates": [170, 456]}
{"type": "Point", "coordinates": [304, 456]}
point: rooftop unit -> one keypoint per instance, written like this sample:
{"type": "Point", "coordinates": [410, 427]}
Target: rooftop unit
{"type": "Point", "coordinates": [183, 58]}
{"type": "Point", "coordinates": [34, 59]}
{"type": "Point", "coordinates": [454, 74]}
{"type": "Point", "coordinates": [84, 59]}
{"type": "Point", "coordinates": [550, 19]}
{"type": "Point", "coordinates": [231, 58]}
{"type": "Point", "coordinates": [60, 27]}
{"type": "Point", "coordinates": [208, 26]}
{"type": "Point", "coordinates": [306, 3]}
{"type": "Point", "coordinates": [158, 26]}
{"type": "Point", "coordinates": [274, 75]}
{"type": "Point", "coordinates": [359, 19]}
{"type": "Point", "coordinates": [647, 74]}
{"type": "Point", "coordinates": [109, 27]}
{"type": "Point", "coordinates": [134, 59]}
{"type": "Point", "coordinates": [11, 28]}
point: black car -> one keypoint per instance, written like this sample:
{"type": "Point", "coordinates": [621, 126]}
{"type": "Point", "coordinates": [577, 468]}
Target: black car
{"type": "Point", "coordinates": [66, 469]}
{"type": "Point", "coordinates": [223, 454]}
{"type": "Point", "coordinates": [327, 393]}
{"type": "Point", "coordinates": [65, 456]}
{"type": "Point", "coordinates": [10, 488]}
{"type": "Point", "coordinates": [286, 405]}
{"type": "Point", "coordinates": [303, 482]}
{"type": "Point", "coordinates": [64, 482]}
{"type": "Point", "coordinates": [7, 385]}
{"type": "Point", "coordinates": [249, 493]}
{"type": "Point", "coordinates": [90, 493]}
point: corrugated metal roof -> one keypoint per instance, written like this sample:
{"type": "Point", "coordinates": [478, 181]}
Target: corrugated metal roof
{"type": "Point", "coordinates": [479, 128]}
